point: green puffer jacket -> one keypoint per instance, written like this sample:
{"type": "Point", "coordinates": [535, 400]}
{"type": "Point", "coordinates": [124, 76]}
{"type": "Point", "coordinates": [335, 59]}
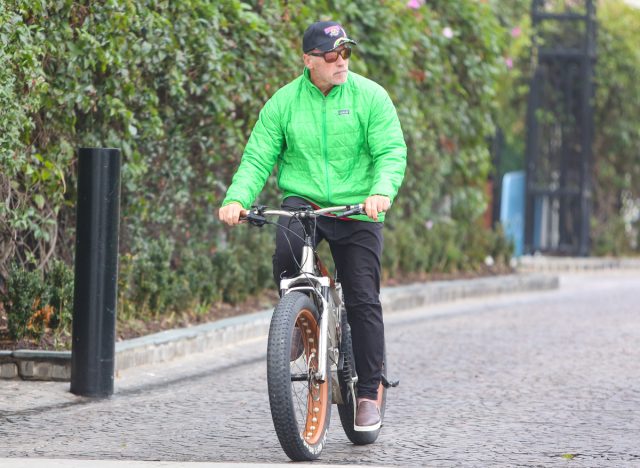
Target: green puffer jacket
{"type": "Point", "coordinates": [333, 150]}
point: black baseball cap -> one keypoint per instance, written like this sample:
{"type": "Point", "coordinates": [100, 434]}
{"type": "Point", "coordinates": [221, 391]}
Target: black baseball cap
{"type": "Point", "coordinates": [324, 36]}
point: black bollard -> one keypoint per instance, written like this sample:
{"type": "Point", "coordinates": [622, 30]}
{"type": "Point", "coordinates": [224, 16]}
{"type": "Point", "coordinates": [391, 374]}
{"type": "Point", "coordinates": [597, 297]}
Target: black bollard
{"type": "Point", "coordinates": [96, 272]}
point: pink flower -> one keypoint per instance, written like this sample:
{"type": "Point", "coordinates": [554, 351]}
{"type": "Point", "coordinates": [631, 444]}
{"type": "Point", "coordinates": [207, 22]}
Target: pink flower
{"type": "Point", "coordinates": [515, 32]}
{"type": "Point", "coordinates": [429, 225]}
{"type": "Point", "coordinates": [415, 4]}
{"type": "Point", "coordinates": [508, 62]}
{"type": "Point", "coordinates": [447, 32]}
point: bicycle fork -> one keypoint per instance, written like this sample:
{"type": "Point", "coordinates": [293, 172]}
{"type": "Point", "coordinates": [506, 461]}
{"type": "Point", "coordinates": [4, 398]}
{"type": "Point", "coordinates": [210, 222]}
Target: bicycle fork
{"type": "Point", "coordinates": [308, 268]}
{"type": "Point", "coordinates": [321, 375]}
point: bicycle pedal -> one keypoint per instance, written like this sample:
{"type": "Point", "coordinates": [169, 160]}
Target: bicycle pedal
{"type": "Point", "coordinates": [389, 383]}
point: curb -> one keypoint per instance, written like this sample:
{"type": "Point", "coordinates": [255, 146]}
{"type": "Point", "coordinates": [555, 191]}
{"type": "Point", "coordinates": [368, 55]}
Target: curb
{"type": "Point", "coordinates": [566, 264]}
{"type": "Point", "coordinates": [419, 295]}
{"type": "Point", "coordinates": [36, 365]}
{"type": "Point", "coordinates": [170, 344]}
{"type": "Point", "coordinates": [167, 345]}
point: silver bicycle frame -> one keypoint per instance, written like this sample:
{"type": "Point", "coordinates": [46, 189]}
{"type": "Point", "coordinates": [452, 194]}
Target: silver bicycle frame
{"type": "Point", "coordinates": [308, 280]}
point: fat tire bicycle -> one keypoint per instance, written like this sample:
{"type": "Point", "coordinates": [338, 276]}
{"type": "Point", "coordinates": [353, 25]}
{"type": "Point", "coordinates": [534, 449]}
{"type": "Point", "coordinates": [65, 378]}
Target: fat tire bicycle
{"type": "Point", "coordinates": [310, 362]}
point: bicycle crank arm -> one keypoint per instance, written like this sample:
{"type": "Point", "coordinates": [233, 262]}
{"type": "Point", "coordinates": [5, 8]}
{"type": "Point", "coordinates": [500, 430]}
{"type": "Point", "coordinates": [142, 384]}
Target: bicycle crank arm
{"type": "Point", "coordinates": [389, 383]}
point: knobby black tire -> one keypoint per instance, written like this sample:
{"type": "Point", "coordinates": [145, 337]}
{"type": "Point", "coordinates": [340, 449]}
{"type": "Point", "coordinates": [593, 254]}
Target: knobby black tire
{"type": "Point", "coordinates": [301, 435]}
{"type": "Point", "coordinates": [346, 410]}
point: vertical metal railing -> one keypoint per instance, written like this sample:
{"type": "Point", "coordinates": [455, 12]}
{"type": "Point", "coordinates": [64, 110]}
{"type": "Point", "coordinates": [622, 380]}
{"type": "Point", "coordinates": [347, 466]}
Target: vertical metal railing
{"type": "Point", "coordinates": [559, 154]}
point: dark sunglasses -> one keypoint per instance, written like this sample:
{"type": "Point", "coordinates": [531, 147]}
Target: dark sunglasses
{"type": "Point", "coordinates": [332, 55]}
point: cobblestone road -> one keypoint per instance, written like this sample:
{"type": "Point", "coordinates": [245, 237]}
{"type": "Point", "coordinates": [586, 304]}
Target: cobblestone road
{"type": "Point", "coordinates": [540, 379]}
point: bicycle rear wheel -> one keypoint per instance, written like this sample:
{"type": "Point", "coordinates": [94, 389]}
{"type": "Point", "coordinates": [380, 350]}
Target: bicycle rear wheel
{"type": "Point", "coordinates": [300, 404]}
{"type": "Point", "coordinates": [346, 410]}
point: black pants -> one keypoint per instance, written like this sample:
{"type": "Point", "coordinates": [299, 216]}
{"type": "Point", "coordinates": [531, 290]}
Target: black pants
{"type": "Point", "coordinates": [356, 247]}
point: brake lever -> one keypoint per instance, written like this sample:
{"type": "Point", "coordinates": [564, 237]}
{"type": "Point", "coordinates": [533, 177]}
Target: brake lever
{"type": "Point", "coordinates": [255, 216]}
{"type": "Point", "coordinates": [353, 211]}
{"type": "Point", "coordinates": [255, 219]}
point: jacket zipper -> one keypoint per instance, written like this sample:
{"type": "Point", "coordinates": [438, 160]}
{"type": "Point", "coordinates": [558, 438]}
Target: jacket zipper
{"type": "Point", "coordinates": [324, 145]}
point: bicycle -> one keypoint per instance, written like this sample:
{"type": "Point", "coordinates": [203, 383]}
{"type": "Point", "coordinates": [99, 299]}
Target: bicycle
{"type": "Point", "coordinates": [310, 363]}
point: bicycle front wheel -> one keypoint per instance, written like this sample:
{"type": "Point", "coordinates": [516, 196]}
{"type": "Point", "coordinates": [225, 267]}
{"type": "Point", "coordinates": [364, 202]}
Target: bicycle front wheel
{"type": "Point", "coordinates": [300, 404]}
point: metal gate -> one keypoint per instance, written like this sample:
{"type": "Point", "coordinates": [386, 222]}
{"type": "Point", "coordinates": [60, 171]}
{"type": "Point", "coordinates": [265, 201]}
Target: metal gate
{"type": "Point", "coordinates": [560, 128]}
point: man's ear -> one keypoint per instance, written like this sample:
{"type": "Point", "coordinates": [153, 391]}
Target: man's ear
{"type": "Point", "coordinates": [308, 62]}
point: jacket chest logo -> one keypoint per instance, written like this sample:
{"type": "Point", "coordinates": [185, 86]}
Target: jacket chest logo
{"type": "Point", "coordinates": [343, 112]}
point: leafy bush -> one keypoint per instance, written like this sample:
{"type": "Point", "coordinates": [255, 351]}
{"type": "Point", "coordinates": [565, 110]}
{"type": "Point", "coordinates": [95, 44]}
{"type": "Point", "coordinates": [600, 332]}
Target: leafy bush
{"type": "Point", "coordinates": [178, 87]}
{"type": "Point", "coordinates": [158, 279]}
{"type": "Point", "coordinates": [59, 283]}
{"type": "Point", "coordinates": [22, 299]}
{"type": "Point", "coordinates": [614, 240]}
{"type": "Point", "coordinates": [30, 184]}
{"type": "Point", "coordinates": [617, 103]}
{"type": "Point", "coordinates": [34, 302]}
{"type": "Point", "coordinates": [440, 247]}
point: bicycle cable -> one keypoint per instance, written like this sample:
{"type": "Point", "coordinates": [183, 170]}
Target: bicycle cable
{"type": "Point", "coordinates": [293, 255]}
{"type": "Point", "coordinates": [288, 228]}
{"type": "Point", "coordinates": [305, 274]}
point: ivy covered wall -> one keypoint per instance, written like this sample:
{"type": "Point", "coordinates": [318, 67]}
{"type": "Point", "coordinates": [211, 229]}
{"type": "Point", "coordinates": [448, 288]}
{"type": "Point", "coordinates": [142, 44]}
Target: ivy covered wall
{"type": "Point", "coordinates": [178, 86]}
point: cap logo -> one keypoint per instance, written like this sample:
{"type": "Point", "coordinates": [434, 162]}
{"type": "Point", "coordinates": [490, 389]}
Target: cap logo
{"type": "Point", "coordinates": [333, 31]}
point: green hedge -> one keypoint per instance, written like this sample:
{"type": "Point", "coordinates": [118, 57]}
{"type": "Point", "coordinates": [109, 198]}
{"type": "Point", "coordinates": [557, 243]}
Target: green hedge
{"type": "Point", "coordinates": [178, 86]}
{"type": "Point", "coordinates": [616, 219]}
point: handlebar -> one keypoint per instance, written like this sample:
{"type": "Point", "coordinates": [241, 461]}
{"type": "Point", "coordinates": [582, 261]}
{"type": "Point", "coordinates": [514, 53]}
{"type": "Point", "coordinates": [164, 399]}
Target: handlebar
{"type": "Point", "coordinates": [258, 214]}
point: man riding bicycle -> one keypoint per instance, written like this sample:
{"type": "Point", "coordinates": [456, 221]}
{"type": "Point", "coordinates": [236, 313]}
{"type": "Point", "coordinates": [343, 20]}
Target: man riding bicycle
{"type": "Point", "coordinates": [336, 139]}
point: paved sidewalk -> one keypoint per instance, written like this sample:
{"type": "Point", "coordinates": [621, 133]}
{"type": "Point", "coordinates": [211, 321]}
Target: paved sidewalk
{"type": "Point", "coordinates": [67, 463]}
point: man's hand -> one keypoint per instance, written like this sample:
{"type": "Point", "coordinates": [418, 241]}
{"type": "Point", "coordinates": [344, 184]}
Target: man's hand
{"type": "Point", "coordinates": [376, 204]}
{"type": "Point", "coordinates": [230, 214]}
